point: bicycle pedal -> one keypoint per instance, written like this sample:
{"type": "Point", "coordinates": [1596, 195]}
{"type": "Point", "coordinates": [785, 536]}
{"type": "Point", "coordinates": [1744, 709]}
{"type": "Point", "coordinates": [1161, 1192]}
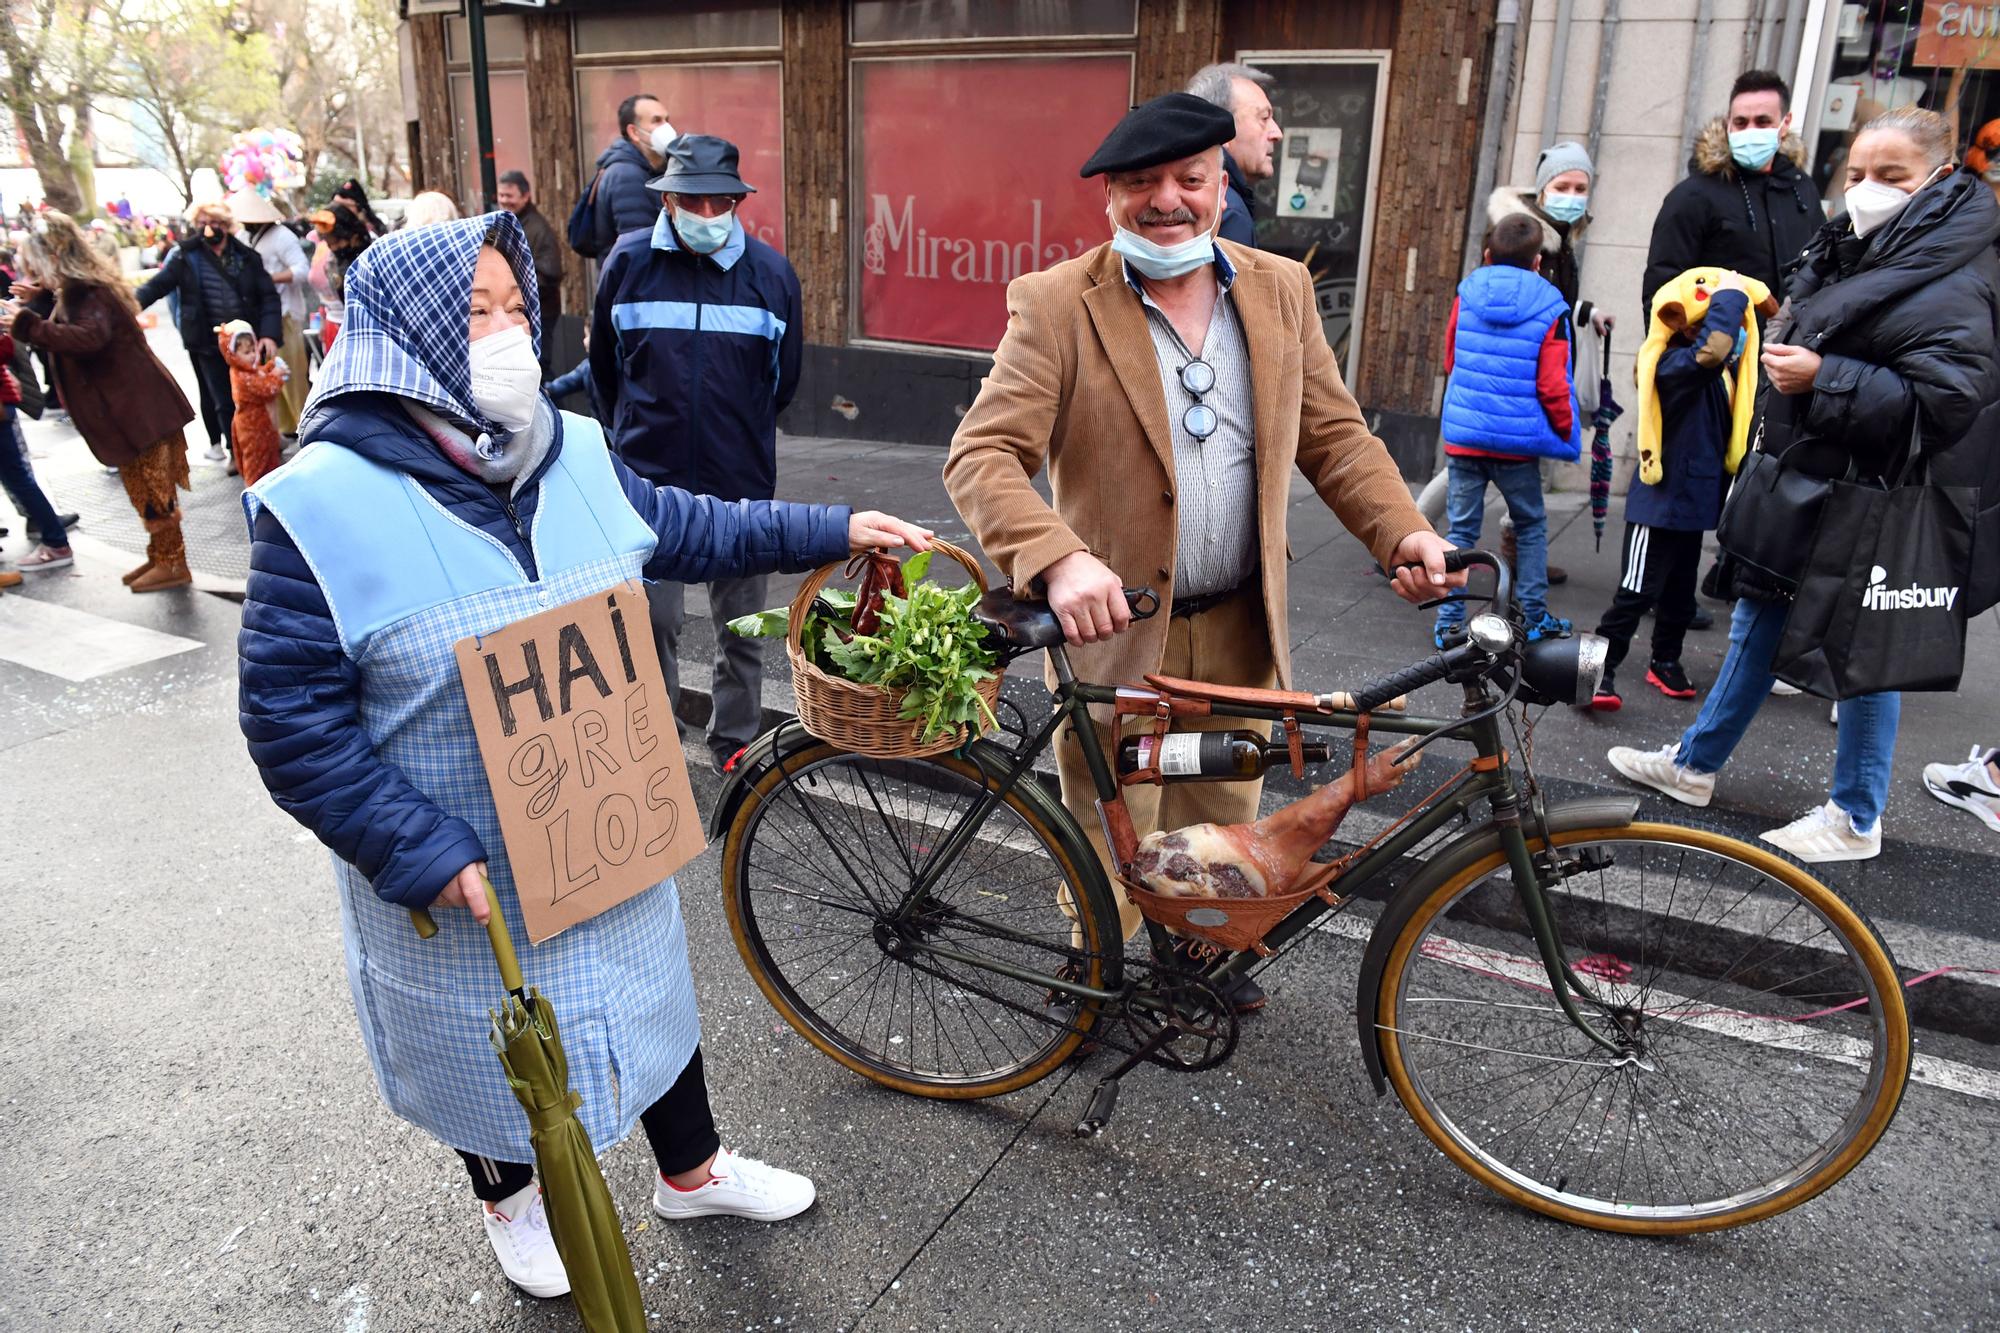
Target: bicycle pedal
{"type": "Point", "coordinates": [1097, 1112]}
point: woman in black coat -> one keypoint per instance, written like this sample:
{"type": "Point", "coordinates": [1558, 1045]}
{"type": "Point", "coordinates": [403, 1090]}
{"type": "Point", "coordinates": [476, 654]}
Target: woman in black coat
{"type": "Point", "coordinates": [1889, 333]}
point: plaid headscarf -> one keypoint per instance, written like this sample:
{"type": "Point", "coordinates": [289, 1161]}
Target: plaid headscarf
{"type": "Point", "coordinates": [409, 303]}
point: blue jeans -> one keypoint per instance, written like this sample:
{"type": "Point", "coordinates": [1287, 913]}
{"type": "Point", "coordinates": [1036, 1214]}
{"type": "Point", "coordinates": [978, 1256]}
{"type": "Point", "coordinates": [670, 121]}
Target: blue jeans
{"type": "Point", "coordinates": [1519, 481]}
{"type": "Point", "coordinates": [18, 479]}
{"type": "Point", "coordinates": [1867, 746]}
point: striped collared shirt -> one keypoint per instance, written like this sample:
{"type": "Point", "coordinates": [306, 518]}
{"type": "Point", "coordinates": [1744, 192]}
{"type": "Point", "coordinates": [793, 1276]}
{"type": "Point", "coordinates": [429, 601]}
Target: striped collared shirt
{"type": "Point", "coordinates": [1215, 480]}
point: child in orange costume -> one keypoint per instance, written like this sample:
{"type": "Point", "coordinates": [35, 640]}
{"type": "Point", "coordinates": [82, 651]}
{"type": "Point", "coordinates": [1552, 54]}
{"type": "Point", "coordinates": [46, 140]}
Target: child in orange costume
{"type": "Point", "coordinates": [253, 384]}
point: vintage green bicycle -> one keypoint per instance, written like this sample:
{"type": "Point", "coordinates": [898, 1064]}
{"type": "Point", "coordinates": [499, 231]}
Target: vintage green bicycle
{"type": "Point", "coordinates": [1639, 1027]}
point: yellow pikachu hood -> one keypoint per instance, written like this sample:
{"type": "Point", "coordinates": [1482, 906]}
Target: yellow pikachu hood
{"type": "Point", "coordinates": [1678, 305]}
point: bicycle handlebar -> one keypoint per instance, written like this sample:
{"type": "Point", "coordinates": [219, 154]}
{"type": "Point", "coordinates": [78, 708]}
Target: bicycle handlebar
{"type": "Point", "coordinates": [1145, 603]}
{"type": "Point", "coordinates": [1440, 665]}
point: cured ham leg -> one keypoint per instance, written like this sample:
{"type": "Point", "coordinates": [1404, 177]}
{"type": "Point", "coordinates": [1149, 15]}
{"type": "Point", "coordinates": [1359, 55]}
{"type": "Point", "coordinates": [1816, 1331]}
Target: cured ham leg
{"type": "Point", "coordinates": [1261, 859]}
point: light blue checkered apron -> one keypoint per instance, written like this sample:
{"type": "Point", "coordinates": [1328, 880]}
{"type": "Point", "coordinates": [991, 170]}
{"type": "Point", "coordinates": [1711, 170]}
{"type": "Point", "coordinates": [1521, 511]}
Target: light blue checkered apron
{"type": "Point", "coordinates": [406, 580]}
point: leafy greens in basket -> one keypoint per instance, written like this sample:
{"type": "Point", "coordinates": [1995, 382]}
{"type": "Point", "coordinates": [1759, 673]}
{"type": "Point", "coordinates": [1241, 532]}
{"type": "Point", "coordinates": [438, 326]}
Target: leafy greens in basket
{"type": "Point", "coordinates": [927, 645]}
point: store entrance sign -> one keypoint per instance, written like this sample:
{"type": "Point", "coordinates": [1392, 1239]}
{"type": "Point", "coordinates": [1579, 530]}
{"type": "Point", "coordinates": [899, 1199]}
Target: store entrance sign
{"type": "Point", "coordinates": [1956, 35]}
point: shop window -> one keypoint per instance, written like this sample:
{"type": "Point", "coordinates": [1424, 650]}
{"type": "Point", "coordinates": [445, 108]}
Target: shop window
{"type": "Point", "coordinates": [1942, 56]}
{"type": "Point", "coordinates": [507, 92]}
{"type": "Point", "coordinates": [742, 103]}
{"type": "Point", "coordinates": [1318, 205]}
{"type": "Point", "coordinates": [880, 21]}
{"type": "Point", "coordinates": [506, 39]}
{"type": "Point", "coordinates": [964, 172]}
{"type": "Point", "coordinates": [707, 27]}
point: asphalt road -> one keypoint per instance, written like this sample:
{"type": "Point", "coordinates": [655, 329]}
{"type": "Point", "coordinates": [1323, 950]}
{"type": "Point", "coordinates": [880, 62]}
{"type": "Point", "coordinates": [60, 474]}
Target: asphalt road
{"type": "Point", "coordinates": [191, 1138]}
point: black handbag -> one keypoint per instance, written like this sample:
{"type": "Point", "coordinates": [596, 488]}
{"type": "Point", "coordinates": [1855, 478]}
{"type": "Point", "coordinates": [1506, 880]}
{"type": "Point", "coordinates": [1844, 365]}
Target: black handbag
{"type": "Point", "coordinates": [1882, 600]}
{"type": "Point", "coordinates": [1771, 514]}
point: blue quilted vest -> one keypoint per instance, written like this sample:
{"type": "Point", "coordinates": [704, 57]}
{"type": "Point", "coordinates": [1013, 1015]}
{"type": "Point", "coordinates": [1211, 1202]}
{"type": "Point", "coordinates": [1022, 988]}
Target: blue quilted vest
{"type": "Point", "coordinates": [1490, 403]}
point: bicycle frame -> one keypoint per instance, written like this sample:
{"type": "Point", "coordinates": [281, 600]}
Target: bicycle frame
{"type": "Point", "coordinates": [1493, 783]}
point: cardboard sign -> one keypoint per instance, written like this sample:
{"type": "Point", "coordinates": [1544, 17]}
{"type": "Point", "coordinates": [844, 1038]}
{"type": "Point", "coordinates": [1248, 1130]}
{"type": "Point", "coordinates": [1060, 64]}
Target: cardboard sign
{"type": "Point", "coordinates": [583, 757]}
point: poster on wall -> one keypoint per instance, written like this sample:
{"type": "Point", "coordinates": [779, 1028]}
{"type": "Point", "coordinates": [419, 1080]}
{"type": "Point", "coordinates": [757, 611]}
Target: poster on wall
{"type": "Point", "coordinates": [965, 178]}
{"type": "Point", "coordinates": [1318, 205]}
{"type": "Point", "coordinates": [741, 103]}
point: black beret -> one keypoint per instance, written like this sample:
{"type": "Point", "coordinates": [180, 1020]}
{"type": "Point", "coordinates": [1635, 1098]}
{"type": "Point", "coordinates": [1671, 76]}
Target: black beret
{"type": "Point", "coordinates": [1166, 129]}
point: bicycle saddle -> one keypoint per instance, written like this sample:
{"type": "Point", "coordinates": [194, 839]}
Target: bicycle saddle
{"type": "Point", "coordinates": [1022, 623]}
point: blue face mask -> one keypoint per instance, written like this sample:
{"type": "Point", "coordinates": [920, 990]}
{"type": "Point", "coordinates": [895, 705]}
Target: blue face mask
{"type": "Point", "coordinates": [1164, 261]}
{"type": "Point", "coordinates": [1753, 149]}
{"type": "Point", "coordinates": [1566, 207]}
{"type": "Point", "coordinates": [703, 235]}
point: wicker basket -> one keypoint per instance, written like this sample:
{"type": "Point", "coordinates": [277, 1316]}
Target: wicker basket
{"type": "Point", "coordinates": [864, 718]}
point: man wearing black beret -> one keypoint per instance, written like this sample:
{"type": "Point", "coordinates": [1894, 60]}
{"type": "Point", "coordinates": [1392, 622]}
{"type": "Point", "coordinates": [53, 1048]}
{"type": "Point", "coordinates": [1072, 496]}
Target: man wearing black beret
{"type": "Point", "coordinates": [1171, 383]}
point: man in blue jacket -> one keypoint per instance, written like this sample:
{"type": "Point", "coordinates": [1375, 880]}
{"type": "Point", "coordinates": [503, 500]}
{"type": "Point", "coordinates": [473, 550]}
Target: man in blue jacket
{"type": "Point", "coordinates": [621, 201]}
{"type": "Point", "coordinates": [694, 350]}
{"type": "Point", "coordinates": [1239, 90]}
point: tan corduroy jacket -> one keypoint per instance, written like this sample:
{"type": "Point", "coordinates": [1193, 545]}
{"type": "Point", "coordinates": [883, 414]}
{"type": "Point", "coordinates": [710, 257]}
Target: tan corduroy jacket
{"type": "Point", "coordinates": [1075, 386]}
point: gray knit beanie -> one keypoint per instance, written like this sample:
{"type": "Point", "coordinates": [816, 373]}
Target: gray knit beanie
{"type": "Point", "coordinates": [1557, 158]}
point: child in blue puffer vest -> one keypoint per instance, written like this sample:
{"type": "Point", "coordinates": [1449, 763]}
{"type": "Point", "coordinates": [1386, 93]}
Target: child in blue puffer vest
{"type": "Point", "coordinates": [1508, 403]}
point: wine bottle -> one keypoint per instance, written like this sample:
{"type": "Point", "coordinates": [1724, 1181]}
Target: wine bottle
{"type": "Point", "coordinates": [1211, 756]}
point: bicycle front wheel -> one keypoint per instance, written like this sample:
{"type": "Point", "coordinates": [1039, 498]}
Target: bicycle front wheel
{"type": "Point", "coordinates": [818, 869]}
{"type": "Point", "coordinates": [1763, 1044]}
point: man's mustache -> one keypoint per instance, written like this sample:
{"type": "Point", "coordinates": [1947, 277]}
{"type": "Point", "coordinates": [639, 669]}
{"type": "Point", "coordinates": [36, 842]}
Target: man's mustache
{"type": "Point", "coordinates": [1154, 218]}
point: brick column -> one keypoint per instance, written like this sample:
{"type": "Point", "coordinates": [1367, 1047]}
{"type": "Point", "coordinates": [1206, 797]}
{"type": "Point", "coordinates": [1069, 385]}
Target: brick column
{"type": "Point", "coordinates": [554, 152]}
{"type": "Point", "coordinates": [1437, 90]}
{"type": "Point", "coordinates": [431, 161]}
{"type": "Point", "coordinates": [816, 157]}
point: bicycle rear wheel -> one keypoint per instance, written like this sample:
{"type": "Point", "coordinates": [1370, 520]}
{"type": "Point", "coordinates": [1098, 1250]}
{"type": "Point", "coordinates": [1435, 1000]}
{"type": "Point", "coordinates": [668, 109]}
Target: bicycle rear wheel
{"type": "Point", "coordinates": [1765, 1044]}
{"type": "Point", "coordinates": [816, 868]}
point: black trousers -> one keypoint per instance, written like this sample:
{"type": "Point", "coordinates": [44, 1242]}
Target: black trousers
{"type": "Point", "coordinates": [1660, 568]}
{"type": "Point", "coordinates": [679, 1126]}
{"type": "Point", "coordinates": [218, 400]}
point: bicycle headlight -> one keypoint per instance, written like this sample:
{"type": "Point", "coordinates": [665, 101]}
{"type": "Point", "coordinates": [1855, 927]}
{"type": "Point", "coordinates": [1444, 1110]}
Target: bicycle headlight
{"type": "Point", "coordinates": [1564, 671]}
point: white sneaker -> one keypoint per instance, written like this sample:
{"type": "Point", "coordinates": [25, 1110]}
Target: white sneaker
{"type": "Point", "coordinates": [1969, 786]}
{"type": "Point", "coordinates": [1826, 833]}
{"type": "Point", "coordinates": [216, 454]}
{"type": "Point", "coordinates": [1784, 691]}
{"type": "Point", "coordinates": [1657, 769]}
{"type": "Point", "coordinates": [739, 1187]}
{"type": "Point", "coordinates": [518, 1227]}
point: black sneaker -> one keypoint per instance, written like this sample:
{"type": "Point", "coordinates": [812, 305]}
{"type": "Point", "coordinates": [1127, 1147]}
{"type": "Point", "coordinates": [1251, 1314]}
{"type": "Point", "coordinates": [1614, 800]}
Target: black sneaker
{"type": "Point", "coordinates": [723, 762]}
{"type": "Point", "coordinates": [1670, 680]}
{"type": "Point", "coordinates": [1606, 699]}
{"type": "Point", "coordinates": [1243, 994]}
{"type": "Point", "coordinates": [35, 531]}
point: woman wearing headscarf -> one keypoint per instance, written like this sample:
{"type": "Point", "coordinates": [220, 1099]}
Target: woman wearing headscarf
{"type": "Point", "coordinates": [121, 399]}
{"type": "Point", "coordinates": [1887, 334]}
{"type": "Point", "coordinates": [440, 495]}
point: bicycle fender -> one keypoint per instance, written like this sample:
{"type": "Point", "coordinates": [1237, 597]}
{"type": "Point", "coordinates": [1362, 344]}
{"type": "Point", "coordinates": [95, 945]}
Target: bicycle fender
{"type": "Point", "coordinates": [1462, 851]}
{"type": "Point", "coordinates": [780, 741]}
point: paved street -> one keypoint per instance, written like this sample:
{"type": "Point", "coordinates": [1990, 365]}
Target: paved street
{"type": "Point", "coordinates": [193, 1139]}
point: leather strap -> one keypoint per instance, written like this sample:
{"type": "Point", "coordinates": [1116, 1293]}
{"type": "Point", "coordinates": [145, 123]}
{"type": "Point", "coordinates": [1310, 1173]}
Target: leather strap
{"type": "Point", "coordinates": [1295, 744]}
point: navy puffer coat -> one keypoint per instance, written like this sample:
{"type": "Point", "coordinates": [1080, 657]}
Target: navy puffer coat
{"type": "Point", "coordinates": [299, 692]}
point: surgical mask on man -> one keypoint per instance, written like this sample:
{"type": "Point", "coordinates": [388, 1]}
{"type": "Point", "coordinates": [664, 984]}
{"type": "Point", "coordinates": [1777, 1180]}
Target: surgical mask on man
{"type": "Point", "coordinates": [1566, 207]}
{"type": "Point", "coordinates": [1872, 205]}
{"type": "Point", "coordinates": [664, 133]}
{"type": "Point", "coordinates": [1161, 262]}
{"type": "Point", "coordinates": [506, 378]}
{"type": "Point", "coordinates": [1753, 148]}
{"type": "Point", "coordinates": [212, 234]}
{"type": "Point", "coordinates": [703, 235]}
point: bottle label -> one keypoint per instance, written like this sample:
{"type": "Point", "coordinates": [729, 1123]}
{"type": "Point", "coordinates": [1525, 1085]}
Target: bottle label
{"type": "Point", "coordinates": [1180, 755]}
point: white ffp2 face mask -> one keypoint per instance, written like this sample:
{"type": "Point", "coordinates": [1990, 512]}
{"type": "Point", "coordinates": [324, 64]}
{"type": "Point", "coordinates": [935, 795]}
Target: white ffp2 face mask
{"type": "Point", "coordinates": [506, 378]}
{"type": "Point", "coordinates": [1871, 205]}
{"type": "Point", "coordinates": [664, 133]}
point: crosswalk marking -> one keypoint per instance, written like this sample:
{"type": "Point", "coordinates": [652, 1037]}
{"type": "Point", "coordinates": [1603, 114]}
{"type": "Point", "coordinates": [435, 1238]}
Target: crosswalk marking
{"type": "Point", "coordinates": [77, 645]}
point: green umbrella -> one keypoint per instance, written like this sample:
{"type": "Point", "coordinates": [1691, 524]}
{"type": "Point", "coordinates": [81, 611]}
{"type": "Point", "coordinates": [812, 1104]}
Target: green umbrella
{"type": "Point", "coordinates": [585, 1224]}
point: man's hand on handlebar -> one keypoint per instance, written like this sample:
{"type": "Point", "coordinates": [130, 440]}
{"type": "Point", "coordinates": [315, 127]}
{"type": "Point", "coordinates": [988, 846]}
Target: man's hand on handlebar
{"type": "Point", "coordinates": [1419, 573]}
{"type": "Point", "coordinates": [1087, 598]}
